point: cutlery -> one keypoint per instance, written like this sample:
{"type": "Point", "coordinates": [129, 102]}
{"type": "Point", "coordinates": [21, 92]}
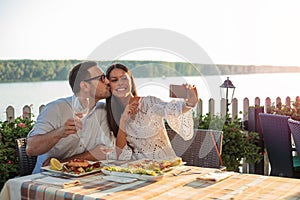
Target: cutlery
{"type": "Point", "coordinates": [181, 171]}
{"type": "Point", "coordinates": [56, 175]}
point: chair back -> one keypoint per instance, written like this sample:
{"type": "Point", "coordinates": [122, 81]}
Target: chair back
{"type": "Point", "coordinates": [277, 138]}
{"type": "Point", "coordinates": [203, 150]}
{"type": "Point", "coordinates": [26, 163]}
{"type": "Point", "coordinates": [295, 130]}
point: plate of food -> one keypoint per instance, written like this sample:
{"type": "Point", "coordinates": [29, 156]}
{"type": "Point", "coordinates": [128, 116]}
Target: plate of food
{"type": "Point", "coordinates": [149, 170]}
{"type": "Point", "coordinates": [75, 167]}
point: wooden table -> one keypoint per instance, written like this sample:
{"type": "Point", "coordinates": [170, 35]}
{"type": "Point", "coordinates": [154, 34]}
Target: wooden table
{"type": "Point", "coordinates": [184, 186]}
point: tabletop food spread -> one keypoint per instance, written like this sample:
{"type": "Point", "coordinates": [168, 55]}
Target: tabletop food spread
{"type": "Point", "coordinates": [151, 170]}
{"type": "Point", "coordinates": [145, 179]}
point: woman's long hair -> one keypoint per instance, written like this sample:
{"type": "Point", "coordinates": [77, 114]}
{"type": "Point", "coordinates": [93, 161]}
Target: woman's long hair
{"type": "Point", "coordinates": [114, 107]}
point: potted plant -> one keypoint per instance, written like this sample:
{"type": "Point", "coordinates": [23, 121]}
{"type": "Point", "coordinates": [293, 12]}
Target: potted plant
{"type": "Point", "coordinates": [283, 109]}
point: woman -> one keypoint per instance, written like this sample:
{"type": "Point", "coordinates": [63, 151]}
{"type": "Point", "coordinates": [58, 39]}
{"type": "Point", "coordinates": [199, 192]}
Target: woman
{"type": "Point", "coordinates": [138, 122]}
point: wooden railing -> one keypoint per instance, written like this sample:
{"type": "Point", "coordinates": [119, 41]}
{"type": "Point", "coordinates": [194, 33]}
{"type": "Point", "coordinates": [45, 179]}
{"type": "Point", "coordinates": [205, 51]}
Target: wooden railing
{"type": "Point", "coordinates": [26, 112]}
{"type": "Point", "coordinates": [10, 111]}
{"type": "Point", "coordinates": [234, 105]}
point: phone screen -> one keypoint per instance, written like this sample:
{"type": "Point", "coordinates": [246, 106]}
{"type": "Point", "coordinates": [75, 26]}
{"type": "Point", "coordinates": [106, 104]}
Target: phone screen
{"type": "Point", "coordinates": [178, 91]}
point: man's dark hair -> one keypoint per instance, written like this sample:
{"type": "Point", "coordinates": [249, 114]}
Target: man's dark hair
{"type": "Point", "coordinates": [79, 73]}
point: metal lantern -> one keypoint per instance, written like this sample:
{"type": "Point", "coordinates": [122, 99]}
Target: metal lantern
{"type": "Point", "coordinates": [229, 87]}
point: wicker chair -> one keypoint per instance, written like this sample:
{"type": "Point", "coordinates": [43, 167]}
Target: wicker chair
{"type": "Point", "coordinates": [203, 150]}
{"type": "Point", "coordinates": [26, 163]}
{"type": "Point", "coordinates": [277, 138]}
{"type": "Point", "coordinates": [295, 129]}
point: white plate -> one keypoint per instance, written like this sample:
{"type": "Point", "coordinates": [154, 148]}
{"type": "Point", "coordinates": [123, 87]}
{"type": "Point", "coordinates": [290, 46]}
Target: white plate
{"type": "Point", "coordinates": [133, 176]}
{"type": "Point", "coordinates": [142, 160]}
{"type": "Point", "coordinates": [47, 168]}
{"type": "Point", "coordinates": [138, 176]}
{"type": "Point", "coordinates": [119, 179]}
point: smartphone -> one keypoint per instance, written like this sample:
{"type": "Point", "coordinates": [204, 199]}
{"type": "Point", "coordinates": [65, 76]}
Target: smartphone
{"type": "Point", "coordinates": [178, 91]}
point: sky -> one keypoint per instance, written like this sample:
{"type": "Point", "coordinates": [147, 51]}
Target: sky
{"type": "Point", "coordinates": [249, 32]}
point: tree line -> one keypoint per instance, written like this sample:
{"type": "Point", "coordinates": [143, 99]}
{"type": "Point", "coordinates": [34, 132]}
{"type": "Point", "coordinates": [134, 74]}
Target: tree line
{"type": "Point", "coordinates": [53, 70]}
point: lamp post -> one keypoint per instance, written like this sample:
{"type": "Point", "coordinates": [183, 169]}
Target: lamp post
{"type": "Point", "coordinates": [228, 85]}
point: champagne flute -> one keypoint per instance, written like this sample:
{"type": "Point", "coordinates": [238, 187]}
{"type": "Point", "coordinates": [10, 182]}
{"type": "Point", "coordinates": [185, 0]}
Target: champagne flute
{"type": "Point", "coordinates": [108, 148]}
{"type": "Point", "coordinates": [80, 106]}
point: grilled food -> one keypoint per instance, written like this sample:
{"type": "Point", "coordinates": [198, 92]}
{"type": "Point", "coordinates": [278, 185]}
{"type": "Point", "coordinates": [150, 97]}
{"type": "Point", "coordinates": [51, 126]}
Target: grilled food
{"type": "Point", "coordinates": [77, 166]}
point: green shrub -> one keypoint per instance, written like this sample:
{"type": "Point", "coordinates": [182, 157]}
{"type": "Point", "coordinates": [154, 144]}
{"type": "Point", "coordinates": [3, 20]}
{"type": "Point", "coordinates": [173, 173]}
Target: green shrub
{"type": "Point", "coordinates": [236, 144]}
{"type": "Point", "coordinates": [9, 131]}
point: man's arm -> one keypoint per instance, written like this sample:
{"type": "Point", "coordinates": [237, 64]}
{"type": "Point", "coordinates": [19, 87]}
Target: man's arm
{"type": "Point", "coordinates": [42, 143]}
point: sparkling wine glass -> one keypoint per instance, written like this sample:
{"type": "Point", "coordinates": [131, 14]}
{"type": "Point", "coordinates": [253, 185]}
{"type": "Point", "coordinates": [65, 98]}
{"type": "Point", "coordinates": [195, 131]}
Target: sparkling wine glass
{"type": "Point", "coordinates": [108, 148]}
{"type": "Point", "coordinates": [80, 106]}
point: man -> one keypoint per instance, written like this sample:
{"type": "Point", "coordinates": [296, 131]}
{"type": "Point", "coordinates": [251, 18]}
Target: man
{"type": "Point", "coordinates": [57, 133]}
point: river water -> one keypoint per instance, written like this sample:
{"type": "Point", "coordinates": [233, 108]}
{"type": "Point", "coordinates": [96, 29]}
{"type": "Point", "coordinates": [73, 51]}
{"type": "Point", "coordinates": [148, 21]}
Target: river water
{"type": "Point", "coordinates": [251, 86]}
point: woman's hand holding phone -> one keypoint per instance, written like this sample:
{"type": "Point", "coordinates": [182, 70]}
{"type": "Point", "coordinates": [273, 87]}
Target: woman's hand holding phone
{"type": "Point", "coordinates": [192, 96]}
{"type": "Point", "coordinates": [185, 91]}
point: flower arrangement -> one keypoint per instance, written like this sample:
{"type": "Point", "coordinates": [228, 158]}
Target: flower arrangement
{"type": "Point", "coordinates": [285, 109]}
{"type": "Point", "coordinates": [9, 131]}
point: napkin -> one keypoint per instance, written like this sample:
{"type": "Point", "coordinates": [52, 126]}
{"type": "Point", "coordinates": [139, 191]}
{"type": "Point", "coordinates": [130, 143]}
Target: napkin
{"type": "Point", "coordinates": [215, 176]}
{"type": "Point", "coordinates": [119, 179]}
{"type": "Point", "coordinates": [58, 182]}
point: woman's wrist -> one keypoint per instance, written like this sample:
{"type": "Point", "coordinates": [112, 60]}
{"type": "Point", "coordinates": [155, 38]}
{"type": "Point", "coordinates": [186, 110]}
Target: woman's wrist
{"type": "Point", "coordinates": [122, 125]}
{"type": "Point", "coordinates": [189, 105]}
